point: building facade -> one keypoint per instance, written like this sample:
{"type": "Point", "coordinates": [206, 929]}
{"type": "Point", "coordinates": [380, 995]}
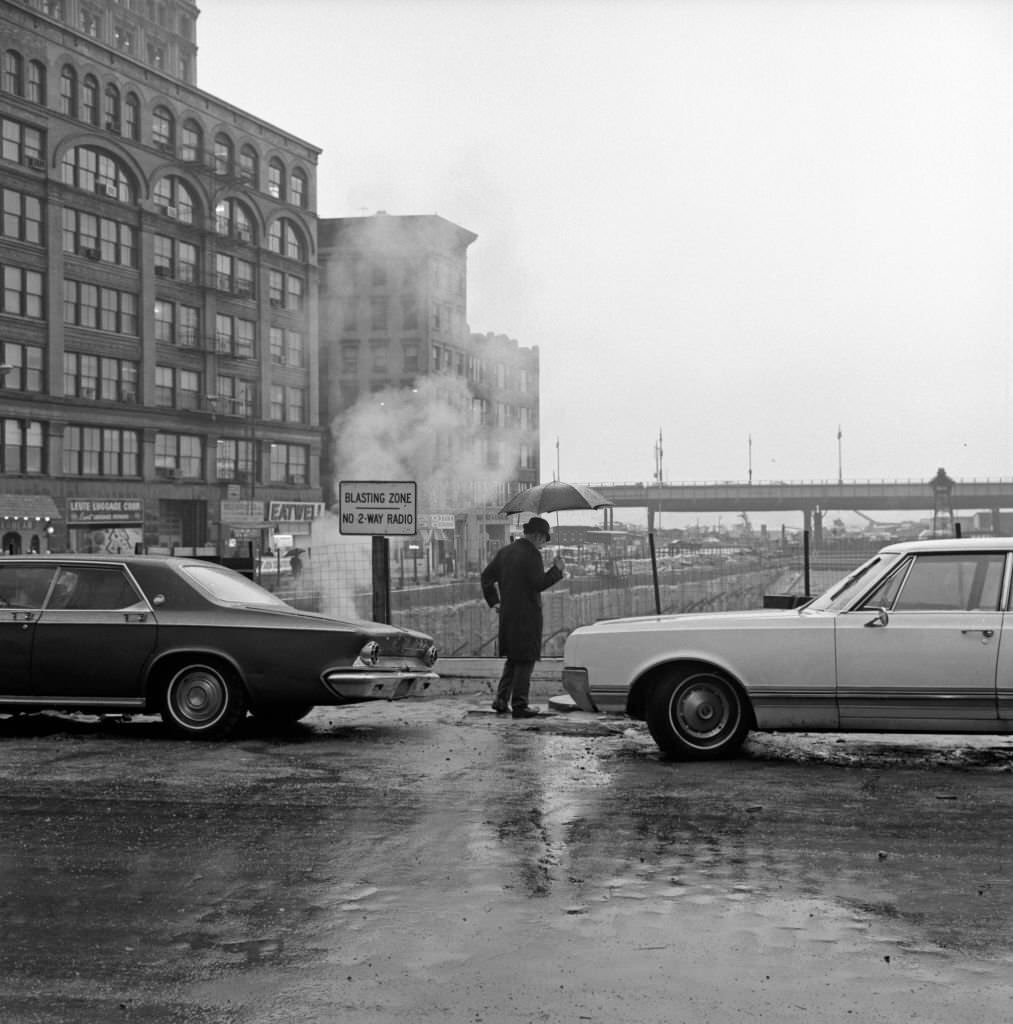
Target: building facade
{"type": "Point", "coordinates": [158, 320]}
{"type": "Point", "coordinates": [393, 295]}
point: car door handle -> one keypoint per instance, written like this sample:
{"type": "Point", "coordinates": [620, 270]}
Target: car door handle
{"type": "Point", "coordinates": [23, 616]}
{"type": "Point", "coordinates": [984, 632]}
{"type": "Point", "coordinates": [136, 616]}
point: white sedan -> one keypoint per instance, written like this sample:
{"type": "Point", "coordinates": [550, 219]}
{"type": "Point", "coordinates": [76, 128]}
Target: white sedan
{"type": "Point", "coordinates": [911, 641]}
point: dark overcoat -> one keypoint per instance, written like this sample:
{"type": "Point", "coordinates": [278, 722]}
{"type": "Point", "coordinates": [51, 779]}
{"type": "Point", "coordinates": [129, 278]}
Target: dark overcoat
{"type": "Point", "coordinates": [515, 579]}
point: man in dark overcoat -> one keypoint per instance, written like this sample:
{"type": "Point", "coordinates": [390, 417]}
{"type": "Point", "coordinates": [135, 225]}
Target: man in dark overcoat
{"type": "Point", "coordinates": [512, 583]}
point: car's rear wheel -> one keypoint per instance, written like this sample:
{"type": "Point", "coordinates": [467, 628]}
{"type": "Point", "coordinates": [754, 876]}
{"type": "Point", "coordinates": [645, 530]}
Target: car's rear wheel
{"type": "Point", "coordinates": [698, 715]}
{"type": "Point", "coordinates": [281, 713]}
{"type": "Point", "coordinates": [203, 701]}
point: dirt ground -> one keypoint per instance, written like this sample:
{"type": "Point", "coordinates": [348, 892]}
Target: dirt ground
{"type": "Point", "coordinates": [430, 861]}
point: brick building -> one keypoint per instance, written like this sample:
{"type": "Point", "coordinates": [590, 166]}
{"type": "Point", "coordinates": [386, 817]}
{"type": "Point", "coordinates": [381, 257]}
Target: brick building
{"type": "Point", "coordinates": [158, 320]}
{"type": "Point", "coordinates": [393, 295]}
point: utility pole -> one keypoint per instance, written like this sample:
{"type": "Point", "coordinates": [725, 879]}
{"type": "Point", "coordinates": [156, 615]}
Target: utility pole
{"type": "Point", "coordinates": [840, 469]}
{"type": "Point", "coordinates": [659, 456]}
{"type": "Point", "coordinates": [750, 458]}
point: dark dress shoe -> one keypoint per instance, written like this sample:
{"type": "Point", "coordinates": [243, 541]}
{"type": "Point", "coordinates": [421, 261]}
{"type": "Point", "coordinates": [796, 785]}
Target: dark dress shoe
{"type": "Point", "coordinates": [500, 709]}
{"type": "Point", "coordinates": [525, 712]}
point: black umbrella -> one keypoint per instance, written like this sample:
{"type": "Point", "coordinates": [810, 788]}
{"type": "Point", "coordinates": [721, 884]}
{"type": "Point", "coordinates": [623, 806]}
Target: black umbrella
{"type": "Point", "coordinates": [554, 497]}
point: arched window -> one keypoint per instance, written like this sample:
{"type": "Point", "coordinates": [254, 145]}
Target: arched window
{"type": "Point", "coordinates": [234, 219]}
{"type": "Point", "coordinates": [36, 82]}
{"type": "Point", "coordinates": [163, 129]}
{"type": "Point", "coordinates": [248, 165]}
{"type": "Point", "coordinates": [111, 111]}
{"type": "Point", "coordinates": [297, 189]}
{"type": "Point", "coordinates": [89, 99]}
{"type": "Point", "coordinates": [191, 142]}
{"type": "Point", "coordinates": [13, 73]}
{"type": "Point", "coordinates": [285, 238]}
{"type": "Point", "coordinates": [175, 199]}
{"type": "Point", "coordinates": [131, 117]}
{"type": "Point", "coordinates": [276, 179]}
{"type": "Point", "coordinates": [223, 154]}
{"type": "Point", "coordinates": [94, 170]}
{"type": "Point", "coordinates": [68, 91]}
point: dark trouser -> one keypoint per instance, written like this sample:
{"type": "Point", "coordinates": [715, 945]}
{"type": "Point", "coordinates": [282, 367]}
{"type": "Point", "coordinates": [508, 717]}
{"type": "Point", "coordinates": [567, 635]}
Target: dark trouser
{"type": "Point", "coordinates": [514, 684]}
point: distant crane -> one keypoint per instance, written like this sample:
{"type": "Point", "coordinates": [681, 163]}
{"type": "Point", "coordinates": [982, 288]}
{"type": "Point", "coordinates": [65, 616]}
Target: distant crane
{"type": "Point", "coordinates": [889, 531]}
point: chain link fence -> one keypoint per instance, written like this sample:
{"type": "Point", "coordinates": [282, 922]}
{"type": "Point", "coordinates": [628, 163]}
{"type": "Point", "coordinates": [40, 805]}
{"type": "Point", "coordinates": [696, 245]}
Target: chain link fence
{"type": "Point", "coordinates": [336, 578]}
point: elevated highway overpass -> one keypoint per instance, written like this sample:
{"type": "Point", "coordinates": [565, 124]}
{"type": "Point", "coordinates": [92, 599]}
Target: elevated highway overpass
{"type": "Point", "coordinates": [809, 499]}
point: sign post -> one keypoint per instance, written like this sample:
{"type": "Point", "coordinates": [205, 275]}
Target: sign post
{"type": "Point", "coordinates": [378, 509]}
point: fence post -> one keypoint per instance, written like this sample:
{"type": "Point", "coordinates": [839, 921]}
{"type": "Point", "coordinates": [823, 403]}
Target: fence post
{"type": "Point", "coordinates": [805, 562]}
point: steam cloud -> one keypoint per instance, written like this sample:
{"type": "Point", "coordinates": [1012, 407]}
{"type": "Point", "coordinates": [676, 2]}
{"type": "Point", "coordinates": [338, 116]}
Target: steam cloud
{"type": "Point", "coordinates": [429, 434]}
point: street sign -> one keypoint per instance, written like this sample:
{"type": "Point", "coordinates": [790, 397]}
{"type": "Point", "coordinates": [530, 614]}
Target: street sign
{"type": "Point", "coordinates": [242, 513]}
{"type": "Point", "coordinates": [437, 520]}
{"type": "Point", "coordinates": [378, 508]}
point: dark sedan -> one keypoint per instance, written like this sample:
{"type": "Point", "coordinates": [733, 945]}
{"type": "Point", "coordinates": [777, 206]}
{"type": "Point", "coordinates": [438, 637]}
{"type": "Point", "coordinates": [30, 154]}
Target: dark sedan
{"type": "Point", "coordinates": [188, 639]}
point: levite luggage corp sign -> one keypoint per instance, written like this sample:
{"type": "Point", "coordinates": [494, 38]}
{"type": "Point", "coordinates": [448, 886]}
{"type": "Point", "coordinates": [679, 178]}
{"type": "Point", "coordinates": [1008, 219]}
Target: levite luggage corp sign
{"type": "Point", "coordinates": [378, 507]}
{"type": "Point", "coordinates": [105, 511]}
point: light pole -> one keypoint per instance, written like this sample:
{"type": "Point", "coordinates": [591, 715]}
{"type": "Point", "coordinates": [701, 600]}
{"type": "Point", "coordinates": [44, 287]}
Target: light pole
{"type": "Point", "coordinates": [840, 465]}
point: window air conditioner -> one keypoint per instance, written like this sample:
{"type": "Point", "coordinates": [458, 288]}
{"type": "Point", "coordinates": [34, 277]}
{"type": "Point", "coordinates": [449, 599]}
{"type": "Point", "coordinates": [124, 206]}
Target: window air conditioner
{"type": "Point", "coordinates": [36, 163]}
{"type": "Point", "coordinates": [276, 303]}
{"type": "Point", "coordinates": [163, 271]}
{"type": "Point", "coordinates": [110, 191]}
{"type": "Point", "coordinates": [176, 474]}
{"type": "Point", "coordinates": [112, 126]}
{"type": "Point", "coordinates": [89, 253]}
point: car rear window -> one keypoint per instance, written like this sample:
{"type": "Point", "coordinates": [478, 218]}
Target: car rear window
{"type": "Point", "coordinates": [228, 587]}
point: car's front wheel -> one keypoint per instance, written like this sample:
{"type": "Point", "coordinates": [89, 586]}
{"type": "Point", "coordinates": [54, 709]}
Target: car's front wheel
{"type": "Point", "coordinates": [203, 701]}
{"type": "Point", "coordinates": [699, 714]}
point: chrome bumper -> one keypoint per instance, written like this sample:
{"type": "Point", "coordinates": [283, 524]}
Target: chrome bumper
{"type": "Point", "coordinates": [351, 685]}
{"type": "Point", "coordinates": [576, 685]}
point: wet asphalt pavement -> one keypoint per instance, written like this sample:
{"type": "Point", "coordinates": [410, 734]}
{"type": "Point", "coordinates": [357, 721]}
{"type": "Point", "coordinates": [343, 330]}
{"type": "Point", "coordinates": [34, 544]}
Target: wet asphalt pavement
{"type": "Point", "coordinates": [429, 861]}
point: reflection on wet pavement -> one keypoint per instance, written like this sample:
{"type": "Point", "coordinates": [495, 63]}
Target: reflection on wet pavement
{"type": "Point", "coordinates": [362, 867]}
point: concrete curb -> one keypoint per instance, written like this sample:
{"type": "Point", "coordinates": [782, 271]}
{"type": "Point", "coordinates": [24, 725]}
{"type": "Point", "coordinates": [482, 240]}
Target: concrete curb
{"type": "Point", "coordinates": [480, 675]}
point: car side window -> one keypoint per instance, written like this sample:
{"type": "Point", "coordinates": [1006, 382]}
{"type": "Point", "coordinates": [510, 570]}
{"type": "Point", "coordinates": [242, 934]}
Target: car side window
{"type": "Point", "coordinates": [955, 581]}
{"type": "Point", "coordinates": [886, 593]}
{"type": "Point", "coordinates": [92, 588]}
{"type": "Point", "coordinates": [24, 586]}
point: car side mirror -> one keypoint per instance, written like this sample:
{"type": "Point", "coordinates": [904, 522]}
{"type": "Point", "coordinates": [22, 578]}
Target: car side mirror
{"type": "Point", "coordinates": [882, 618]}
{"type": "Point", "coordinates": [157, 600]}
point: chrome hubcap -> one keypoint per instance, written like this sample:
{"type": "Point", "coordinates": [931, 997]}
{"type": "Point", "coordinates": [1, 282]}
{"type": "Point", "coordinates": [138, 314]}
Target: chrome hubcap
{"type": "Point", "coordinates": [199, 697]}
{"type": "Point", "coordinates": [702, 710]}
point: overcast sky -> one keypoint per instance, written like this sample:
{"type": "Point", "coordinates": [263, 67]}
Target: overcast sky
{"type": "Point", "coordinates": [714, 219]}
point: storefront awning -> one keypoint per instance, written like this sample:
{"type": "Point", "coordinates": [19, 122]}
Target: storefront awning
{"type": "Point", "coordinates": [28, 506]}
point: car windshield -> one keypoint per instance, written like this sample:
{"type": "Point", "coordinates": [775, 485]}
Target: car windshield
{"type": "Point", "coordinates": [229, 587]}
{"type": "Point", "coordinates": [845, 589]}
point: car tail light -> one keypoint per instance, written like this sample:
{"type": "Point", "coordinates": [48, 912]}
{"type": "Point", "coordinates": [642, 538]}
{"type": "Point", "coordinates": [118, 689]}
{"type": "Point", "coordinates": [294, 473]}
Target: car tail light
{"type": "Point", "coordinates": [429, 656]}
{"type": "Point", "coordinates": [370, 653]}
